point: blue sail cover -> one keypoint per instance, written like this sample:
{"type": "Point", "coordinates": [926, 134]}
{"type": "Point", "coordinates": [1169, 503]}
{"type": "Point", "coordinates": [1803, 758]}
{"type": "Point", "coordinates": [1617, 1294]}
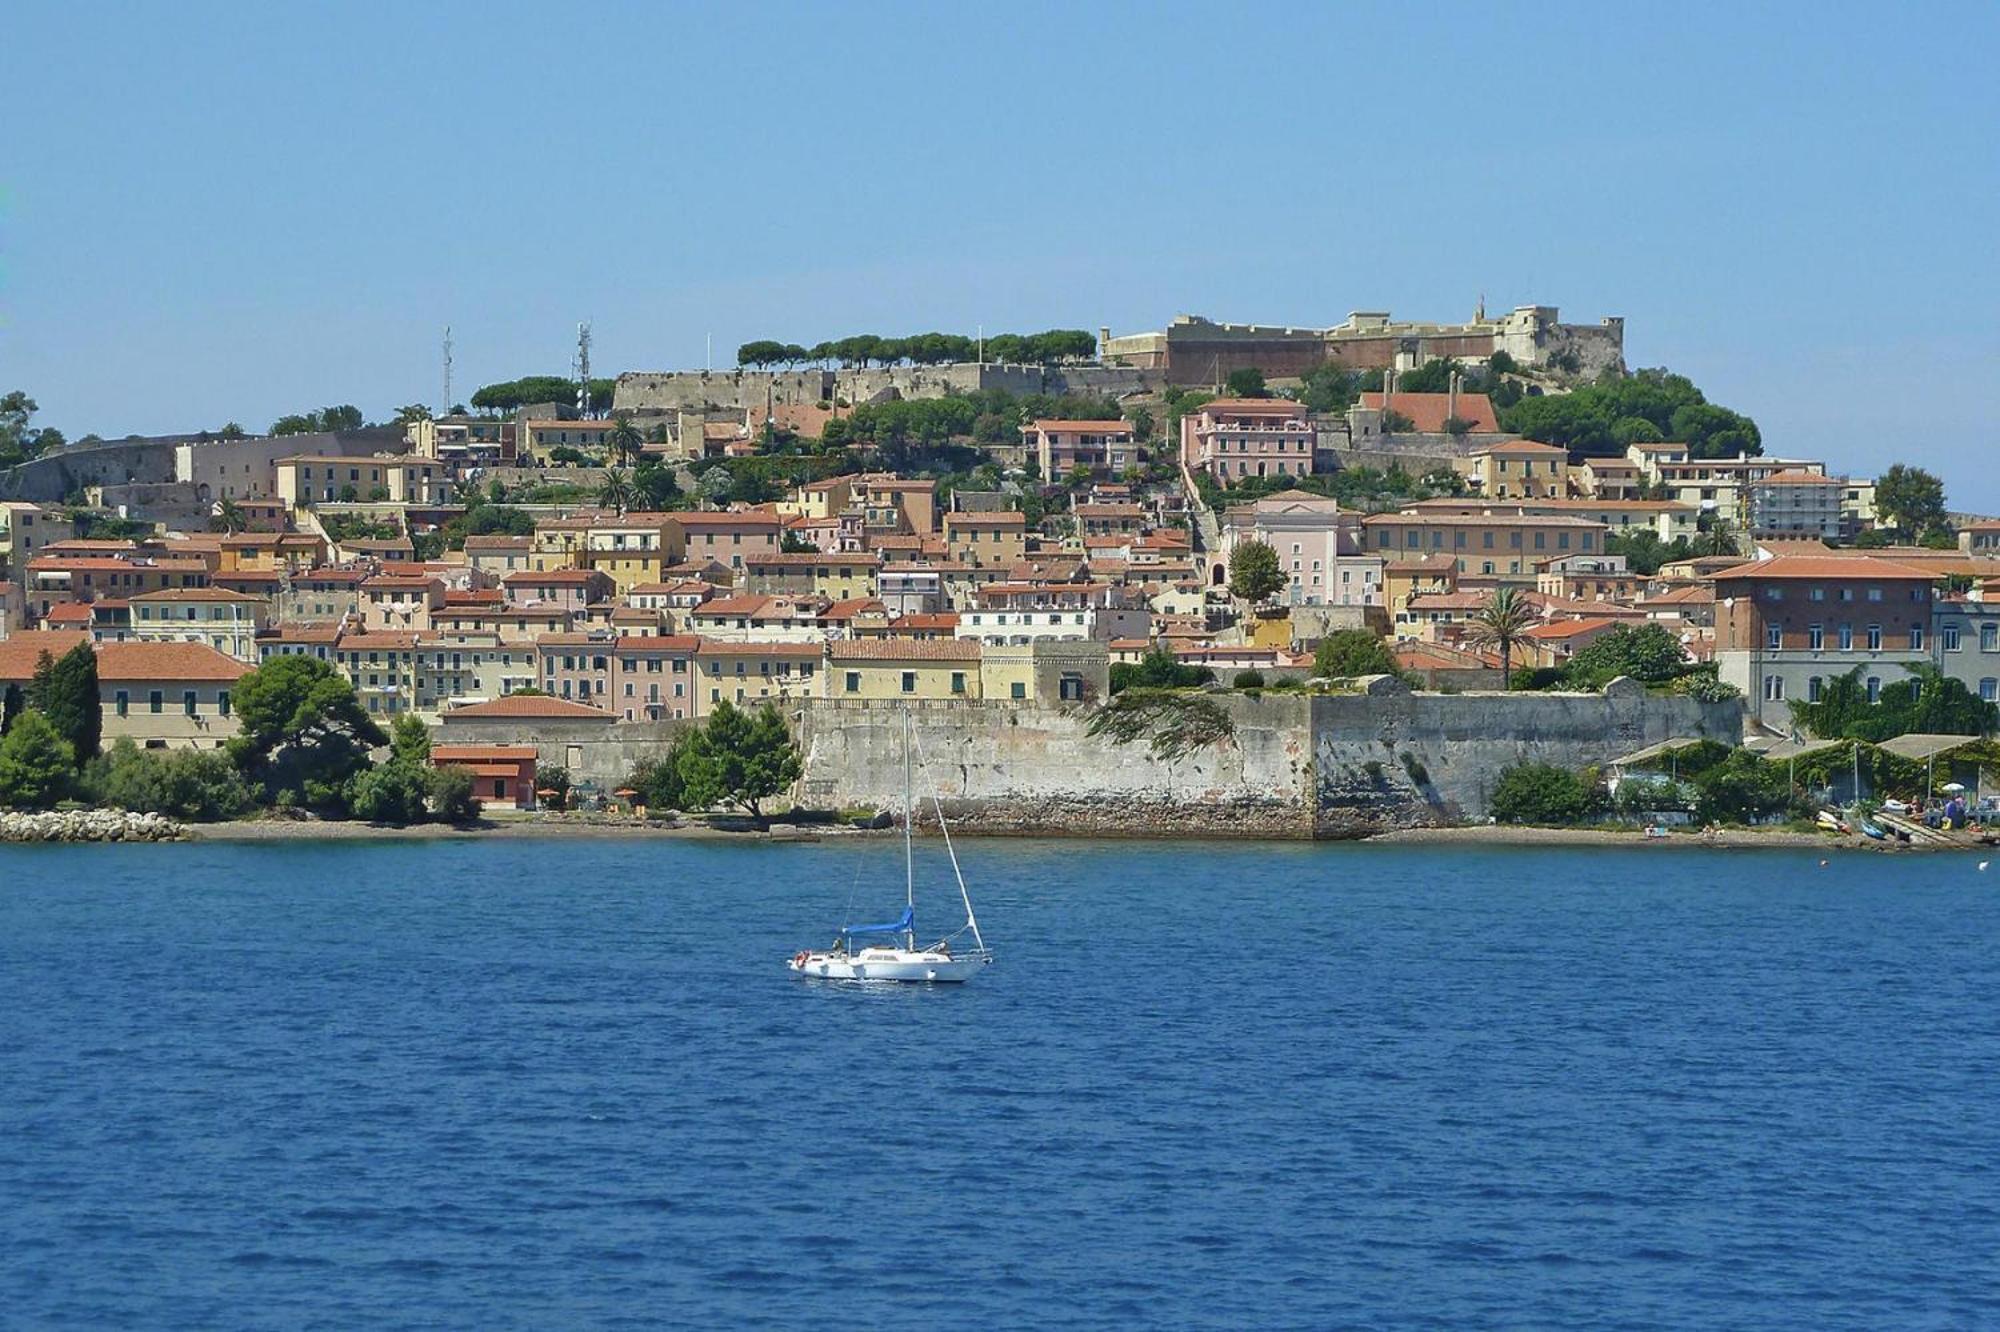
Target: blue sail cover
{"type": "Point", "coordinates": [908, 922]}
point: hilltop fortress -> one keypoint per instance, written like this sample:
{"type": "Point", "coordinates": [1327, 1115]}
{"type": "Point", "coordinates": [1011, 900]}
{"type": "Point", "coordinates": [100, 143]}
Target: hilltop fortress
{"type": "Point", "coordinates": [1191, 350]}
{"type": "Point", "coordinates": [1194, 350]}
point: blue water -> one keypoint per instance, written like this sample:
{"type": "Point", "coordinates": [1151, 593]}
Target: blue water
{"type": "Point", "coordinates": [569, 1084]}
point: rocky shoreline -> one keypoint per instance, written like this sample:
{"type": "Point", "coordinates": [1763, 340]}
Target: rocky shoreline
{"type": "Point", "coordinates": [90, 825]}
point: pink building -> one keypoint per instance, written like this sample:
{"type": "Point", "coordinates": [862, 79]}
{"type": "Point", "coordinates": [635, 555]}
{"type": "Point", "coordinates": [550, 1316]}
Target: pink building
{"type": "Point", "coordinates": [1061, 446]}
{"type": "Point", "coordinates": [572, 589]}
{"type": "Point", "coordinates": [1232, 438]}
{"type": "Point", "coordinates": [1319, 547]}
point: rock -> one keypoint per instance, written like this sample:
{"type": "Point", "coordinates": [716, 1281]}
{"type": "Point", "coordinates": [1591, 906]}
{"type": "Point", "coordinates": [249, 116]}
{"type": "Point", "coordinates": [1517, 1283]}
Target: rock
{"type": "Point", "coordinates": [88, 825]}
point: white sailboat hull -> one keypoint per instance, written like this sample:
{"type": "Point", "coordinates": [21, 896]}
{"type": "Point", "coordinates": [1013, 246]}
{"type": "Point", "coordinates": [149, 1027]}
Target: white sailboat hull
{"type": "Point", "coordinates": [890, 964]}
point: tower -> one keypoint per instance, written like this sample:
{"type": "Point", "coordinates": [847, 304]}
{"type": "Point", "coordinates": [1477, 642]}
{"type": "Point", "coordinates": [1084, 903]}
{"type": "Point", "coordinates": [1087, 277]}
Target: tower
{"type": "Point", "coordinates": [582, 367]}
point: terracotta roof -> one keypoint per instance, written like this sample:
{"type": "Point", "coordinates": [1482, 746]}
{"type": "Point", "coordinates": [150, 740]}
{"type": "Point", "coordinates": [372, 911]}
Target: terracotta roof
{"type": "Point", "coordinates": [1560, 629]}
{"type": "Point", "coordinates": [740, 519]}
{"type": "Point", "coordinates": [1530, 447]}
{"type": "Point", "coordinates": [1798, 477]}
{"type": "Point", "coordinates": [197, 594]}
{"type": "Point", "coordinates": [1009, 518]}
{"type": "Point", "coordinates": [380, 640]}
{"type": "Point", "coordinates": [473, 543]}
{"type": "Point", "coordinates": [68, 612]}
{"type": "Point", "coordinates": [480, 753]}
{"type": "Point", "coordinates": [1099, 427]}
{"type": "Point", "coordinates": [572, 577]}
{"type": "Point", "coordinates": [1428, 411]}
{"type": "Point", "coordinates": [656, 643]}
{"type": "Point", "coordinates": [19, 653]}
{"type": "Point", "coordinates": [904, 649]}
{"type": "Point", "coordinates": [1254, 406]}
{"type": "Point", "coordinates": [166, 661]}
{"type": "Point", "coordinates": [717, 647]}
{"type": "Point", "coordinates": [1824, 566]}
{"type": "Point", "coordinates": [527, 705]}
{"type": "Point", "coordinates": [926, 620]}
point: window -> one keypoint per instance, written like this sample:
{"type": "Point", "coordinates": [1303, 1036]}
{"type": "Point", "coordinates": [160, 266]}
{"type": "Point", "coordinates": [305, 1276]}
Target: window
{"type": "Point", "coordinates": [1815, 637]}
{"type": "Point", "coordinates": [156, 701]}
{"type": "Point", "coordinates": [854, 682]}
{"type": "Point", "coordinates": [124, 701]}
{"type": "Point", "coordinates": [1989, 637]}
{"type": "Point", "coordinates": [1874, 638]}
{"type": "Point", "coordinates": [1874, 689]}
{"type": "Point", "coordinates": [1774, 593]}
{"type": "Point", "coordinates": [1774, 688]}
{"type": "Point", "coordinates": [1846, 638]}
{"type": "Point", "coordinates": [187, 702]}
{"type": "Point", "coordinates": [958, 682]}
{"type": "Point", "coordinates": [1989, 689]}
{"type": "Point", "coordinates": [909, 682]}
{"type": "Point", "coordinates": [1950, 635]}
{"type": "Point", "coordinates": [1916, 638]}
{"type": "Point", "coordinates": [1018, 690]}
{"type": "Point", "coordinates": [1818, 594]}
{"type": "Point", "coordinates": [1774, 636]}
{"type": "Point", "coordinates": [1874, 594]}
{"type": "Point", "coordinates": [1812, 689]}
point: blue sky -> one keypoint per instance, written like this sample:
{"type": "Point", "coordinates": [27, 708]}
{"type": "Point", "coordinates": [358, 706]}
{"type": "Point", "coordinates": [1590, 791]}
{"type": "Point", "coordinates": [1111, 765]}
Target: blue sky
{"type": "Point", "coordinates": [213, 212]}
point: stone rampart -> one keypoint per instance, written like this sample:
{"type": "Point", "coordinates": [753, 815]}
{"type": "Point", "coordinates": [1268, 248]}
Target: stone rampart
{"type": "Point", "coordinates": [57, 475]}
{"type": "Point", "coordinates": [649, 392]}
{"type": "Point", "coordinates": [1296, 766]}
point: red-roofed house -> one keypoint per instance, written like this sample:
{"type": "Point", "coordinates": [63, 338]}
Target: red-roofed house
{"type": "Point", "coordinates": [1231, 438]}
{"type": "Point", "coordinates": [502, 775]}
{"type": "Point", "coordinates": [1062, 446]}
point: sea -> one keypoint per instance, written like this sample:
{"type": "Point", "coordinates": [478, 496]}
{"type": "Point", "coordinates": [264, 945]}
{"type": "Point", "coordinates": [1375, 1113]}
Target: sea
{"type": "Point", "coordinates": [570, 1083]}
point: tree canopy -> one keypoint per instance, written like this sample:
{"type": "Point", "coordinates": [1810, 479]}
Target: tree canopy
{"type": "Point", "coordinates": [1647, 652]}
{"type": "Point", "coordinates": [513, 394]}
{"type": "Point", "coordinates": [65, 692]}
{"type": "Point", "coordinates": [37, 765]}
{"type": "Point", "coordinates": [345, 417]}
{"type": "Point", "coordinates": [1349, 652]}
{"type": "Point", "coordinates": [1254, 573]}
{"type": "Point", "coordinates": [1603, 419]}
{"type": "Point", "coordinates": [737, 758]}
{"type": "Point", "coordinates": [1910, 499]}
{"type": "Point", "coordinates": [302, 729]}
{"type": "Point", "coordinates": [1540, 793]}
{"type": "Point", "coordinates": [19, 440]}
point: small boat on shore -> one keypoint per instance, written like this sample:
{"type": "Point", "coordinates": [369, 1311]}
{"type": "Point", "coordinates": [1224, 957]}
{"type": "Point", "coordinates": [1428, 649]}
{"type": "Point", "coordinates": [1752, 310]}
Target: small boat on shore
{"type": "Point", "coordinates": [900, 959]}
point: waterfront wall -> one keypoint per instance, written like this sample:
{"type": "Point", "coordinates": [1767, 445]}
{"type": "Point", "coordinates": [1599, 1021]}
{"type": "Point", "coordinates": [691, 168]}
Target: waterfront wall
{"type": "Point", "coordinates": [1297, 766]}
{"type": "Point", "coordinates": [597, 753]}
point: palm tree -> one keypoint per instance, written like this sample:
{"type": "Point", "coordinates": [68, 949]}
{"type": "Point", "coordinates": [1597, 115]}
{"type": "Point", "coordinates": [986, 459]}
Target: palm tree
{"type": "Point", "coordinates": [229, 516]}
{"type": "Point", "coordinates": [616, 492]}
{"type": "Point", "coordinates": [624, 439]}
{"type": "Point", "coordinates": [1501, 623]}
{"type": "Point", "coordinates": [1717, 540]}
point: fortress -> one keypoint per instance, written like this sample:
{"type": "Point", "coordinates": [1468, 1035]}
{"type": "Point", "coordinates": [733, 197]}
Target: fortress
{"type": "Point", "coordinates": [1194, 350]}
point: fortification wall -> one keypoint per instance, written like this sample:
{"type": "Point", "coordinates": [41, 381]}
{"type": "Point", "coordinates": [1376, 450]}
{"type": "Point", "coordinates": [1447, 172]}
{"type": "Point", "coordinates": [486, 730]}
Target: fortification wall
{"type": "Point", "coordinates": [1296, 767]}
{"type": "Point", "coordinates": [596, 753]}
{"type": "Point", "coordinates": [54, 476]}
{"type": "Point", "coordinates": [651, 393]}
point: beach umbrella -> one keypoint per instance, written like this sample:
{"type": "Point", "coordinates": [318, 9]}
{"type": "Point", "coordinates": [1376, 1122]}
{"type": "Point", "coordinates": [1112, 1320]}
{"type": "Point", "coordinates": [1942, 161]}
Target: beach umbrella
{"type": "Point", "coordinates": [1953, 787]}
{"type": "Point", "coordinates": [624, 791]}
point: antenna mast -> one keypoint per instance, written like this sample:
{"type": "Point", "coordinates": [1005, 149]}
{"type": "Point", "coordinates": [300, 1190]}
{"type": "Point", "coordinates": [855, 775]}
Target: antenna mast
{"type": "Point", "coordinates": [444, 406]}
{"type": "Point", "coordinates": [583, 369]}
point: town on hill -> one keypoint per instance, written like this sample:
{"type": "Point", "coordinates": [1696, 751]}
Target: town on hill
{"type": "Point", "coordinates": [1113, 561]}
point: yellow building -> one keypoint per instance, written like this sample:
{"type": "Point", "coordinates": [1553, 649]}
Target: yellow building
{"type": "Point", "coordinates": [1506, 545]}
{"type": "Point", "coordinates": [1517, 469]}
{"type": "Point", "coordinates": [752, 674]}
{"type": "Point", "coordinates": [990, 540]}
{"type": "Point", "coordinates": [306, 480]}
{"type": "Point", "coordinates": [1046, 672]}
{"type": "Point", "coordinates": [892, 668]}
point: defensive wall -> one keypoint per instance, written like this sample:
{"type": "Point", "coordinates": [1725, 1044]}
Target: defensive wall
{"type": "Point", "coordinates": [63, 472]}
{"type": "Point", "coordinates": [662, 392]}
{"type": "Point", "coordinates": [597, 753]}
{"type": "Point", "coordinates": [1296, 766]}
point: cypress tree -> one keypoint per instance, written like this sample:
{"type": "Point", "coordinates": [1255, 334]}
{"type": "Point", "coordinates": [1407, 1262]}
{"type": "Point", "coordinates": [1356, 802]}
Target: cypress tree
{"type": "Point", "coordinates": [69, 699]}
{"type": "Point", "coordinates": [11, 703]}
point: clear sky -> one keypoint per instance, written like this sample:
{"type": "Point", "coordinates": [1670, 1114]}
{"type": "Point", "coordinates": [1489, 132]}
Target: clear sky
{"type": "Point", "coordinates": [212, 212]}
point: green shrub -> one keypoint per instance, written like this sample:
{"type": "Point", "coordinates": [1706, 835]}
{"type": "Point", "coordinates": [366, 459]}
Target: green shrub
{"type": "Point", "coordinates": [1540, 793]}
{"type": "Point", "coordinates": [196, 785]}
{"type": "Point", "coordinates": [1248, 680]}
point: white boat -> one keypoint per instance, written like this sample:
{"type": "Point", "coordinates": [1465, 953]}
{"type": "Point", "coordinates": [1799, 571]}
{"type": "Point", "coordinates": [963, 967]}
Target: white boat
{"type": "Point", "coordinates": [901, 959]}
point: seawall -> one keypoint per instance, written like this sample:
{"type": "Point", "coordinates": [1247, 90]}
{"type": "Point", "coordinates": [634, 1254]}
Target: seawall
{"type": "Point", "coordinates": [1295, 766]}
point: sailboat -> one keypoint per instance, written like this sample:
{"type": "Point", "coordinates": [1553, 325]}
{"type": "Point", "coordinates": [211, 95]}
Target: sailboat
{"type": "Point", "coordinates": [900, 959]}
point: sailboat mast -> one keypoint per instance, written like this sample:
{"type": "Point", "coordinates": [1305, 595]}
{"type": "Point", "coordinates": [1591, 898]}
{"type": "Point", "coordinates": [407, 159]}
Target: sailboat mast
{"type": "Point", "coordinates": [944, 829]}
{"type": "Point", "coordinates": [909, 815]}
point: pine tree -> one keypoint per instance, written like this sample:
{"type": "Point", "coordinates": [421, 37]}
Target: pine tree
{"type": "Point", "coordinates": [68, 697]}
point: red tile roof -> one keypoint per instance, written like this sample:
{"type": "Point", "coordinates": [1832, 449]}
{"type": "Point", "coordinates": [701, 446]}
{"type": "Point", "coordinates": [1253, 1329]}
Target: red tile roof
{"type": "Point", "coordinates": [1428, 411]}
{"type": "Point", "coordinates": [1824, 566]}
{"type": "Point", "coordinates": [19, 653]}
{"type": "Point", "coordinates": [544, 706]}
{"type": "Point", "coordinates": [166, 661]}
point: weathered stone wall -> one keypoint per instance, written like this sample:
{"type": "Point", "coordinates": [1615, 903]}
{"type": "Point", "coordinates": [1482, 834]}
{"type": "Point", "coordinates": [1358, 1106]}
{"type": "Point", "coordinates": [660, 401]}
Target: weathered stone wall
{"type": "Point", "coordinates": [54, 476]}
{"type": "Point", "coordinates": [1297, 766]}
{"type": "Point", "coordinates": [651, 392]}
{"type": "Point", "coordinates": [596, 753]}
{"type": "Point", "coordinates": [1001, 768]}
{"type": "Point", "coordinates": [1391, 758]}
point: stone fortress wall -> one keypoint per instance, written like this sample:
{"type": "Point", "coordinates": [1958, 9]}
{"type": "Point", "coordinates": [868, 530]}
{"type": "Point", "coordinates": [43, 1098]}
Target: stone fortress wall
{"type": "Point", "coordinates": [1297, 766]}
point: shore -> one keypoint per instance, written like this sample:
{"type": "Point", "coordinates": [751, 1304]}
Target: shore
{"type": "Point", "coordinates": [277, 830]}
